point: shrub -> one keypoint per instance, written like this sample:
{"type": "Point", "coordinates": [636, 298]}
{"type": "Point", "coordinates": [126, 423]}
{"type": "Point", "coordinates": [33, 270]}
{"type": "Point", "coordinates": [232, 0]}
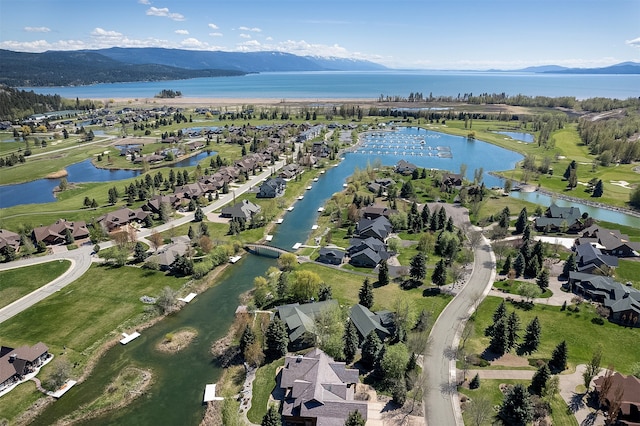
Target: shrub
{"type": "Point", "coordinates": [597, 320]}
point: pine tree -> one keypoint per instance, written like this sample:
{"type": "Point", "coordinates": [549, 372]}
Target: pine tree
{"type": "Point", "coordinates": [354, 419]}
{"type": "Point", "coordinates": [276, 339]}
{"type": "Point", "coordinates": [569, 265]}
{"type": "Point", "coordinates": [519, 265]}
{"type": "Point", "coordinates": [418, 267]}
{"type": "Point", "coordinates": [383, 273]}
{"type": "Point", "coordinates": [439, 276]}
{"type": "Point", "coordinates": [425, 214]}
{"type": "Point", "coordinates": [513, 326]}
{"type": "Point", "coordinates": [247, 338]}
{"type": "Point", "coordinates": [543, 279]}
{"type": "Point", "coordinates": [198, 215]}
{"type": "Point", "coordinates": [539, 379]}
{"type": "Point", "coordinates": [521, 222]}
{"type": "Point", "coordinates": [516, 408]}
{"type": "Point", "coordinates": [371, 349]}
{"type": "Point", "coordinates": [599, 189]}
{"type": "Point", "coordinates": [499, 339]}
{"type": "Point", "coordinates": [366, 294]}
{"type": "Point", "coordinates": [532, 336]}
{"type": "Point", "coordinates": [559, 357]}
{"type": "Point", "coordinates": [500, 312]}
{"type": "Point", "coordinates": [272, 417]}
{"type": "Point", "coordinates": [475, 382]}
{"type": "Point", "coordinates": [507, 265]}
{"type": "Point", "coordinates": [350, 339]}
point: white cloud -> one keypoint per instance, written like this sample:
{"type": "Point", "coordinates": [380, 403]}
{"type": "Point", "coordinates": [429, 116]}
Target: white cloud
{"type": "Point", "coordinates": [164, 12]}
{"type": "Point", "coordinates": [144, 2]}
{"type": "Point", "coordinates": [99, 32]}
{"type": "Point", "coordinates": [194, 43]}
{"type": "Point", "coordinates": [213, 26]}
{"type": "Point", "coordinates": [181, 32]}
{"type": "Point", "coordinates": [245, 35]}
{"type": "Point", "coordinates": [37, 29]}
{"type": "Point", "coordinates": [253, 30]}
{"type": "Point", "coordinates": [215, 34]}
{"type": "Point", "coordinates": [269, 39]}
{"type": "Point", "coordinates": [634, 43]}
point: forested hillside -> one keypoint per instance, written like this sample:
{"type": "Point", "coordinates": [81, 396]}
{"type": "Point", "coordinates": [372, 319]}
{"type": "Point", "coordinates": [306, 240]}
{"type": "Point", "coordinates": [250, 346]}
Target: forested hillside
{"type": "Point", "coordinates": [82, 68]}
{"type": "Point", "coordinates": [17, 104]}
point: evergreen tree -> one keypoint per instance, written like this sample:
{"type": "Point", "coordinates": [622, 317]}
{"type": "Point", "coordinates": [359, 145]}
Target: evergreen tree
{"type": "Point", "coordinates": [532, 336]}
{"type": "Point", "coordinates": [350, 339]}
{"type": "Point", "coordinates": [499, 339]}
{"type": "Point", "coordinates": [191, 234]}
{"type": "Point", "coordinates": [366, 294]}
{"type": "Point", "coordinates": [500, 312]}
{"type": "Point", "coordinates": [449, 225]}
{"type": "Point", "coordinates": [355, 419]}
{"type": "Point", "coordinates": [442, 217]}
{"type": "Point", "coordinates": [68, 237]}
{"type": "Point", "coordinates": [513, 326]}
{"type": "Point", "coordinates": [475, 382]}
{"type": "Point", "coordinates": [559, 357]}
{"type": "Point", "coordinates": [516, 408]}
{"type": "Point", "coordinates": [383, 273]}
{"type": "Point", "coordinates": [418, 267]}
{"type": "Point", "coordinates": [271, 417]}
{"type": "Point", "coordinates": [198, 215]}
{"type": "Point", "coordinates": [526, 233]}
{"type": "Point", "coordinates": [425, 214]}
{"type": "Point", "coordinates": [371, 349]}
{"type": "Point", "coordinates": [407, 190]}
{"type": "Point", "coordinates": [569, 265]}
{"type": "Point", "coordinates": [247, 338]}
{"type": "Point", "coordinates": [543, 279]}
{"type": "Point", "coordinates": [539, 379]}
{"type": "Point", "coordinates": [325, 292]}
{"type": "Point", "coordinates": [276, 339]}
{"type": "Point", "coordinates": [439, 276]}
{"type": "Point", "coordinates": [139, 252]}
{"type": "Point", "coordinates": [519, 265]}
{"type": "Point", "coordinates": [521, 222]}
{"type": "Point", "coordinates": [599, 189]}
{"type": "Point", "coordinates": [506, 267]}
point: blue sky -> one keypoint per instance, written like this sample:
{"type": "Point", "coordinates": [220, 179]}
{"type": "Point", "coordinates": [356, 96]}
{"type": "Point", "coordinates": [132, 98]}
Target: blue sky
{"type": "Point", "coordinates": [423, 34]}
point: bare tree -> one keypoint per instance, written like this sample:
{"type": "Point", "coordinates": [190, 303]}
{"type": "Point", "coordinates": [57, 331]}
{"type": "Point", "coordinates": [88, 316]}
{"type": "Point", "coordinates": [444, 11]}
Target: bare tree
{"type": "Point", "coordinates": [479, 409]}
{"type": "Point", "coordinates": [607, 382]}
{"type": "Point", "coordinates": [155, 239]}
{"type": "Point", "coordinates": [614, 405]}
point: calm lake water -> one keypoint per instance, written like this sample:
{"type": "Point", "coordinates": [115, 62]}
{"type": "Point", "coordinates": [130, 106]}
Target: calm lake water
{"type": "Point", "coordinates": [345, 85]}
{"type": "Point", "coordinates": [519, 136]}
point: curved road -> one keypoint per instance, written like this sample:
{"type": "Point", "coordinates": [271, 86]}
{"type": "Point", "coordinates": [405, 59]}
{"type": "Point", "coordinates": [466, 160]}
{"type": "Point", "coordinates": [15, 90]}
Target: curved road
{"type": "Point", "coordinates": [81, 258]}
{"type": "Point", "coordinates": [440, 400]}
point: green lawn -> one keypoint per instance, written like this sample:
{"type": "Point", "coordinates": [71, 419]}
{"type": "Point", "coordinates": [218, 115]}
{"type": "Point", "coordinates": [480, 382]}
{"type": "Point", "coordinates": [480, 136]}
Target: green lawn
{"type": "Point", "coordinates": [512, 288]}
{"type": "Point", "coordinates": [619, 343]}
{"type": "Point", "coordinates": [263, 385]}
{"type": "Point", "coordinates": [628, 271]}
{"type": "Point", "coordinates": [18, 401]}
{"type": "Point", "coordinates": [16, 283]}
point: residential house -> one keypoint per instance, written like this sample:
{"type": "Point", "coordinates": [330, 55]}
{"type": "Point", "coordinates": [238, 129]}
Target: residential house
{"type": "Point", "coordinates": [623, 301]}
{"type": "Point", "coordinates": [192, 191]}
{"type": "Point", "coordinates": [366, 258]}
{"type": "Point", "coordinates": [366, 321]}
{"type": "Point", "coordinates": [629, 412]}
{"type": "Point", "coordinates": [150, 159]}
{"type": "Point", "coordinates": [9, 239]}
{"type": "Point", "coordinates": [165, 257]}
{"type": "Point", "coordinates": [156, 202]}
{"type": "Point", "coordinates": [405, 168]}
{"type": "Point", "coordinates": [245, 209]}
{"type": "Point", "coordinates": [590, 259]}
{"type": "Point", "coordinates": [379, 228]}
{"type": "Point", "coordinates": [450, 181]}
{"type": "Point", "coordinates": [300, 321]}
{"type": "Point", "coordinates": [195, 145]}
{"type": "Point", "coordinates": [318, 391]}
{"type": "Point", "coordinates": [374, 212]}
{"type": "Point", "coordinates": [381, 184]}
{"type": "Point", "coordinates": [310, 133]}
{"type": "Point", "coordinates": [121, 217]}
{"type": "Point", "coordinates": [320, 149]}
{"type": "Point", "coordinates": [272, 187]}
{"type": "Point", "coordinates": [559, 218]}
{"type": "Point", "coordinates": [17, 363]}
{"type": "Point", "coordinates": [609, 241]}
{"type": "Point", "coordinates": [57, 232]}
{"type": "Point", "coordinates": [330, 256]}
{"type": "Point", "coordinates": [367, 252]}
{"type": "Point", "coordinates": [290, 171]}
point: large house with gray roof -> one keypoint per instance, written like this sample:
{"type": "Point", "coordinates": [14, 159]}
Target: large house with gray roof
{"type": "Point", "coordinates": [590, 259]}
{"type": "Point", "coordinates": [245, 209]}
{"type": "Point", "coordinates": [366, 321]}
{"type": "Point", "coordinates": [318, 391]}
{"type": "Point", "coordinates": [300, 321]}
{"type": "Point", "coordinates": [558, 218]}
{"type": "Point", "coordinates": [609, 241]}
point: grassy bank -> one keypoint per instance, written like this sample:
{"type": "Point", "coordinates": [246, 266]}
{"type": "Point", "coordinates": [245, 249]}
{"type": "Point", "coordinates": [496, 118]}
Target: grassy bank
{"type": "Point", "coordinates": [16, 283]}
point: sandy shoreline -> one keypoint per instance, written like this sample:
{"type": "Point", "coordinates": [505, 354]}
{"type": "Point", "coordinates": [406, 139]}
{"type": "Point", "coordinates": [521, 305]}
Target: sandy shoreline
{"type": "Point", "coordinates": [197, 101]}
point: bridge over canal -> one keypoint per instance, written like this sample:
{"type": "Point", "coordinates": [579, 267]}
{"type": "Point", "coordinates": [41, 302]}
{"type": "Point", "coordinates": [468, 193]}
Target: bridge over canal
{"type": "Point", "coordinates": [265, 250]}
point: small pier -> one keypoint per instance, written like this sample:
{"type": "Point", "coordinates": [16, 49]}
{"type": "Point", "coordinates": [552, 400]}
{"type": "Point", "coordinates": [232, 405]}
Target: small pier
{"type": "Point", "coordinates": [129, 337]}
{"type": "Point", "coordinates": [234, 259]}
{"type": "Point", "coordinates": [188, 298]}
{"type": "Point", "coordinates": [210, 393]}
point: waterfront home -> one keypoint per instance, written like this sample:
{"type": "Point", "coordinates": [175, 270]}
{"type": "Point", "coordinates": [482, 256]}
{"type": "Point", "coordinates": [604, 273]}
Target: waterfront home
{"type": "Point", "coordinates": [309, 132]}
{"type": "Point", "coordinates": [374, 212]}
{"type": "Point", "coordinates": [300, 321]}
{"type": "Point", "coordinates": [623, 301]}
{"type": "Point", "coordinates": [9, 239]}
{"type": "Point", "coordinates": [590, 259]}
{"type": "Point", "coordinates": [56, 233]}
{"type": "Point", "coordinates": [629, 411]}
{"type": "Point", "coordinates": [121, 217]}
{"type": "Point", "coordinates": [366, 321]}
{"type": "Point", "coordinates": [405, 168]}
{"type": "Point", "coordinates": [272, 187]}
{"type": "Point", "coordinates": [378, 228]}
{"type": "Point", "coordinates": [330, 256]}
{"type": "Point", "coordinates": [318, 390]}
{"type": "Point", "coordinates": [245, 209]}
{"type": "Point", "coordinates": [17, 363]}
{"type": "Point", "coordinates": [609, 241]}
{"type": "Point", "coordinates": [165, 257]}
{"type": "Point", "coordinates": [320, 149]}
{"type": "Point", "coordinates": [556, 218]}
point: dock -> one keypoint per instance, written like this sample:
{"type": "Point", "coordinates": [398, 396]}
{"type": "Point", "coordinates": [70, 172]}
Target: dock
{"type": "Point", "coordinates": [210, 393]}
{"type": "Point", "coordinates": [129, 337]}
{"type": "Point", "coordinates": [320, 209]}
{"type": "Point", "coordinates": [296, 246]}
{"type": "Point", "coordinates": [290, 208]}
{"type": "Point", "coordinates": [300, 197]}
{"type": "Point", "coordinates": [63, 389]}
{"type": "Point", "coordinates": [234, 259]}
{"type": "Point", "coordinates": [315, 179]}
{"type": "Point", "coordinates": [279, 221]}
{"type": "Point", "coordinates": [314, 227]}
{"type": "Point", "coordinates": [308, 187]}
{"type": "Point", "coordinates": [268, 238]}
{"type": "Point", "coordinates": [188, 298]}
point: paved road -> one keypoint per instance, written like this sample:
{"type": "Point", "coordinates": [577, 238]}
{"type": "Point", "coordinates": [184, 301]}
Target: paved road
{"type": "Point", "coordinates": [442, 407]}
{"type": "Point", "coordinates": [81, 258]}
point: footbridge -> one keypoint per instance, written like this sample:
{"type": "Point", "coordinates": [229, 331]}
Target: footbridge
{"type": "Point", "coordinates": [265, 250]}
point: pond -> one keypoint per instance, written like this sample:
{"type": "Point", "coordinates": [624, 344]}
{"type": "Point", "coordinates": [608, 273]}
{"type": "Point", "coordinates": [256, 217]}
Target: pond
{"type": "Point", "coordinates": [519, 136]}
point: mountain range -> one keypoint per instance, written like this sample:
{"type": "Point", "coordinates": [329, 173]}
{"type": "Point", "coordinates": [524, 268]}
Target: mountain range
{"type": "Point", "coordinates": [116, 64]}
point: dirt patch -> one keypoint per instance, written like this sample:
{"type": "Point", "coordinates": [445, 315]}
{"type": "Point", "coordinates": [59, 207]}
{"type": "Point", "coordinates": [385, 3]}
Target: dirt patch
{"type": "Point", "coordinates": [510, 360]}
{"type": "Point", "coordinates": [57, 175]}
{"type": "Point", "coordinates": [175, 342]}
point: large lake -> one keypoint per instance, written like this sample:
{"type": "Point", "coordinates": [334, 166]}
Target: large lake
{"type": "Point", "coordinates": [346, 85]}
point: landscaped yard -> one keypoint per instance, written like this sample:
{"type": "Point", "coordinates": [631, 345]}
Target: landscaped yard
{"type": "Point", "coordinates": [263, 385]}
{"type": "Point", "coordinates": [619, 343]}
{"type": "Point", "coordinates": [628, 271]}
{"type": "Point", "coordinates": [16, 283]}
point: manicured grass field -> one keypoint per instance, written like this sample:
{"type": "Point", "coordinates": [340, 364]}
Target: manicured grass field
{"type": "Point", "coordinates": [263, 384]}
{"type": "Point", "coordinates": [18, 400]}
{"type": "Point", "coordinates": [619, 343]}
{"type": "Point", "coordinates": [16, 283]}
{"type": "Point", "coordinates": [628, 271]}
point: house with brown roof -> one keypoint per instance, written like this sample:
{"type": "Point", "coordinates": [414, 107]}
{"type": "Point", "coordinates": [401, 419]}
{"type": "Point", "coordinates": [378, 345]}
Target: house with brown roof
{"type": "Point", "coordinates": [121, 217]}
{"type": "Point", "coordinates": [56, 232]}
{"type": "Point", "coordinates": [17, 363]}
{"type": "Point", "coordinates": [629, 414]}
{"type": "Point", "coordinates": [318, 391]}
{"type": "Point", "coordinates": [9, 239]}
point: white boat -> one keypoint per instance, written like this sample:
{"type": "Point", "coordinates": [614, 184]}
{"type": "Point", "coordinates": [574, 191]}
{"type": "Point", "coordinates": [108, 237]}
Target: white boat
{"type": "Point", "coordinates": [300, 197]}
{"type": "Point", "coordinates": [344, 185]}
{"type": "Point", "coordinates": [279, 221]}
{"type": "Point", "coordinates": [308, 187]}
{"type": "Point", "coordinates": [320, 209]}
{"type": "Point", "coordinates": [315, 179]}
